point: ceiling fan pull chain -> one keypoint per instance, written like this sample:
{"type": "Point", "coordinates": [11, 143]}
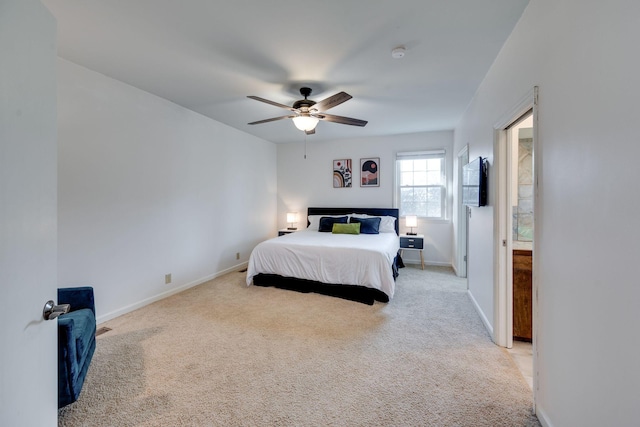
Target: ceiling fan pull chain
{"type": "Point", "coordinates": [305, 146]}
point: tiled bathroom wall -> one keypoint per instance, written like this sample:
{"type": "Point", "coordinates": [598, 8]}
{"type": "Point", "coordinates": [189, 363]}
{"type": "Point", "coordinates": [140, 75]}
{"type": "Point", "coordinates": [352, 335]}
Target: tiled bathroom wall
{"type": "Point", "coordinates": [523, 212]}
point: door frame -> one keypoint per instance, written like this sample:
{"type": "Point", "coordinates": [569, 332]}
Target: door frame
{"type": "Point", "coordinates": [503, 253]}
{"type": "Point", "coordinates": [462, 247]}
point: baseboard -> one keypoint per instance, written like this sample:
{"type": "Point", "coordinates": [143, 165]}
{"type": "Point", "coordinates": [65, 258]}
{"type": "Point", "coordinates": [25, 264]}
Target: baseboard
{"type": "Point", "coordinates": [434, 263]}
{"type": "Point", "coordinates": [539, 412]}
{"type": "Point", "coordinates": [484, 319]}
{"type": "Point", "coordinates": [163, 295]}
{"type": "Point", "coordinates": [542, 417]}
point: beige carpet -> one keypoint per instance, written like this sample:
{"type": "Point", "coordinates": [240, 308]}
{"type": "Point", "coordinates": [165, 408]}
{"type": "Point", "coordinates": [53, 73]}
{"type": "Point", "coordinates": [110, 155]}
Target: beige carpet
{"type": "Point", "coordinates": [223, 354]}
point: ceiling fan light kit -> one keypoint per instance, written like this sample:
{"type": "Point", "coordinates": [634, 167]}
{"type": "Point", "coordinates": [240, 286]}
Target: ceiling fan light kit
{"type": "Point", "coordinates": [307, 113]}
{"type": "Point", "coordinates": [305, 122]}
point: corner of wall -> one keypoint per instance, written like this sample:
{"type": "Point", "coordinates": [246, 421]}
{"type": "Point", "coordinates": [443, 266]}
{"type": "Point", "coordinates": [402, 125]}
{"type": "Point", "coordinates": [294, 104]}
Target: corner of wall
{"type": "Point", "coordinates": [484, 318]}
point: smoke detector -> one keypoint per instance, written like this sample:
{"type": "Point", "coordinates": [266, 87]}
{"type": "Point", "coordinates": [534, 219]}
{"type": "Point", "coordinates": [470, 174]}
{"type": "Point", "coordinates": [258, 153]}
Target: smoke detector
{"type": "Point", "coordinates": [398, 52]}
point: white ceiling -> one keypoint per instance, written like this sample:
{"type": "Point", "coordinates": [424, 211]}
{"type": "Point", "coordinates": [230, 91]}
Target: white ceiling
{"type": "Point", "coordinates": [208, 55]}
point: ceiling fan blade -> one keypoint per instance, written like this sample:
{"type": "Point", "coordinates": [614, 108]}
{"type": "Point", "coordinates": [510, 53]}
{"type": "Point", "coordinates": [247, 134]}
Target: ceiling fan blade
{"type": "Point", "coordinates": [342, 120]}
{"type": "Point", "coordinates": [332, 101]}
{"type": "Point", "coordinates": [286, 107]}
{"type": "Point", "coordinates": [270, 120]}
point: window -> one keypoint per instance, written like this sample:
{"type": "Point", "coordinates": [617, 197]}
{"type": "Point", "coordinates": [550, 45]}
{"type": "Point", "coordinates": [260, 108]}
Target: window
{"type": "Point", "coordinates": [421, 188]}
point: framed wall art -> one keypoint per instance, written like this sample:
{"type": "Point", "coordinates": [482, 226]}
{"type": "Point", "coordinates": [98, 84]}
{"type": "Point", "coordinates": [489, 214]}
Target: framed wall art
{"type": "Point", "coordinates": [342, 173]}
{"type": "Point", "coordinates": [370, 172]}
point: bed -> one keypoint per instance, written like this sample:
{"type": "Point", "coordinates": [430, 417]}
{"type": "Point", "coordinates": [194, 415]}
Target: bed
{"type": "Point", "coordinates": [360, 267]}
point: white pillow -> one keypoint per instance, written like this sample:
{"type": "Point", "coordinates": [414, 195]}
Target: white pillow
{"type": "Point", "coordinates": [314, 220]}
{"type": "Point", "coordinates": [387, 223]}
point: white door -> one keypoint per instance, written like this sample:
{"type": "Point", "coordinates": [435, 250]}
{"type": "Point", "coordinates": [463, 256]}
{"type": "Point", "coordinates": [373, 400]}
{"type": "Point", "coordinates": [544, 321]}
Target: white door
{"type": "Point", "coordinates": [28, 218]}
{"type": "Point", "coordinates": [463, 218]}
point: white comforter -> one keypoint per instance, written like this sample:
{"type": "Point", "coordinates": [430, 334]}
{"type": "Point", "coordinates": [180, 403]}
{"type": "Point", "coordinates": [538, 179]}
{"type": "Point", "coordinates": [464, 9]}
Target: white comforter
{"type": "Point", "coordinates": [363, 259]}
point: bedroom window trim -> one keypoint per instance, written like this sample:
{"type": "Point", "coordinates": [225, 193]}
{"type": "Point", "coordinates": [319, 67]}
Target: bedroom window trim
{"type": "Point", "coordinates": [439, 154]}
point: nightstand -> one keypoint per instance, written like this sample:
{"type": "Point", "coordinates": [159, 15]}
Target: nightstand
{"type": "Point", "coordinates": [415, 243]}
{"type": "Point", "coordinates": [285, 231]}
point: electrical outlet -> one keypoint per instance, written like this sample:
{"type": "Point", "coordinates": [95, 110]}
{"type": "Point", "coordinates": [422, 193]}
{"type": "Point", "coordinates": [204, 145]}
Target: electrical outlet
{"type": "Point", "coordinates": [167, 279]}
{"type": "Point", "coordinates": [237, 255]}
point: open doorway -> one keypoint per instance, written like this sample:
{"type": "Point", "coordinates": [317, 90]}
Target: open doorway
{"type": "Point", "coordinates": [511, 231]}
{"type": "Point", "coordinates": [520, 200]}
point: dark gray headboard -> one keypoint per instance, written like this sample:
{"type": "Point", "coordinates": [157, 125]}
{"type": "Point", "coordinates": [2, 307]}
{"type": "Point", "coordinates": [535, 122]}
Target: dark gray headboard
{"type": "Point", "coordinates": [369, 211]}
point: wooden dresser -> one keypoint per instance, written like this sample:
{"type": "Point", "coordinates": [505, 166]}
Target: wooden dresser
{"type": "Point", "coordinates": [522, 295]}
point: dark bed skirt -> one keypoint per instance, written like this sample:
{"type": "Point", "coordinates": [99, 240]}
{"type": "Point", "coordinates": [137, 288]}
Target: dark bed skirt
{"type": "Point", "coordinates": [349, 292]}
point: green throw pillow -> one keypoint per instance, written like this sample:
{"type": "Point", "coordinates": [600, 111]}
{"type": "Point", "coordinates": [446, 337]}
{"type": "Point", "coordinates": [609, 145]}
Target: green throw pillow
{"type": "Point", "coordinates": [353, 228]}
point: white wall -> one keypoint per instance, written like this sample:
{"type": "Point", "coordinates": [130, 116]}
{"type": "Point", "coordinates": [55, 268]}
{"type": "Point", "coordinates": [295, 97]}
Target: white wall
{"type": "Point", "coordinates": [148, 188]}
{"type": "Point", "coordinates": [309, 182]}
{"type": "Point", "coordinates": [583, 56]}
{"type": "Point", "coordinates": [28, 359]}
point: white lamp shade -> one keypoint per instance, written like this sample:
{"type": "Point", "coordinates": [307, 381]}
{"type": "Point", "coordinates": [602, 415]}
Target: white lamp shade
{"type": "Point", "coordinates": [305, 123]}
{"type": "Point", "coordinates": [411, 221]}
{"type": "Point", "coordinates": [292, 217]}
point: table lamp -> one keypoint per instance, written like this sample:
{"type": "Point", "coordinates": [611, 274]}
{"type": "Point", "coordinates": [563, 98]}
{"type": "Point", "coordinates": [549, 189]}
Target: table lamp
{"type": "Point", "coordinates": [411, 221]}
{"type": "Point", "coordinates": [292, 217]}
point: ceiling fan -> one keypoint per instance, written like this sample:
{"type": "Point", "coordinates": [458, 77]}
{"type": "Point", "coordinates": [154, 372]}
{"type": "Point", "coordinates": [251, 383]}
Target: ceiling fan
{"type": "Point", "coordinates": [307, 113]}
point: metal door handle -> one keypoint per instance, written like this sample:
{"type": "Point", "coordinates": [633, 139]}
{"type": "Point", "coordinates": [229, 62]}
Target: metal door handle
{"type": "Point", "coordinates": [51, 310]}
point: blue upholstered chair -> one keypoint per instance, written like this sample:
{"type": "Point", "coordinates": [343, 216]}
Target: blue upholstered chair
{"type": "Point", "coordinates": [76, 341]}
